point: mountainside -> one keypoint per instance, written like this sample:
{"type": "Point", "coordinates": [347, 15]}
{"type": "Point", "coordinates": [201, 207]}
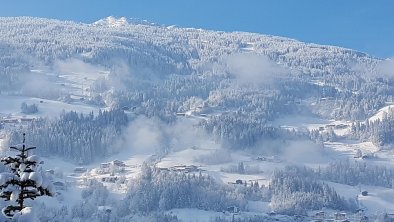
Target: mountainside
{"type": "Point", "coordinates": [246, 120]}
{"type": "Point", "coordinates": [182, 50]}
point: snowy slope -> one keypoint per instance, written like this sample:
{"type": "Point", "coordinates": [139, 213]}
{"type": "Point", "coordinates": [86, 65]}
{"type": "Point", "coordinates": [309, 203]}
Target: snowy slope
{"type": "Point", "coordinates": [82, 62]}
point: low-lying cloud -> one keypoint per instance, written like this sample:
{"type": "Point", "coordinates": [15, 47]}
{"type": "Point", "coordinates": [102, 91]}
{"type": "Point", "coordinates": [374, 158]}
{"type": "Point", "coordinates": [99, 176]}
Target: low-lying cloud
{"type": "Point", "coordinates": [150, 135]}
{"type": "Point", "coordinates": [39, 85]}
{"type": "Point", "coordinates": [382, 69]}
{"type": "Point", "coordinates": [304, 152]}
{"type": "Point", "coordinates": [386, 68]}
{"type": "Point", "coordinates": [75, 66]}
{"type": "Point", "coordinates": [251, 68]}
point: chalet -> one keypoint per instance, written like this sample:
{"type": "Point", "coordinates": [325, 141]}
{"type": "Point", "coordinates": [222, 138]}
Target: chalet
{"type": "Point", "coordinates": [364, 219]}
{"type": "Point", "coordinates": [27, 119]}
{"type": "Point", "coordinates": [261, 158]}
{"type": "Point", "coordinates": [105, 165]}
{"type": "Point", "coordinates": [359, 215]}
{"type": "Point", "coordinates": [320, 215]}
{"type": "Point", "coordinates": [341, 126]}
{"type": "Point", "coordinates": [274, 159]}
{"type": "Point", "coordinates": [191, 168]}
{"type": "Point", "coordinates": [177, 168]}
{"type": "Point", "coordinates": [80, 170]}
{"type": "Point", "coordinates": [106, 209]}
{"type": "Point", "coordinates": [119, 163]}
{"type": "Point", "coordinates": [184, 168]}
{"type": "Point", "coordinates": [104, 168]}
{"type": "Point", "coordinates": [340, 216]}
{"type": "Point", "coordinates": [233, 210]}
{"type": "Point", "coordinates": [9, 120]}
{"type": "Point", "coordinates": [239, 181]}
{"type": "Point", "coordinates": [110, 179]}
{"type": "Point", "coordinates": [163, 169]}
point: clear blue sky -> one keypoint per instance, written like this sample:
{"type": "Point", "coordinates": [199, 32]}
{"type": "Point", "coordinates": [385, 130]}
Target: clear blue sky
{"type": "Point", "coordinates": [364, 25]}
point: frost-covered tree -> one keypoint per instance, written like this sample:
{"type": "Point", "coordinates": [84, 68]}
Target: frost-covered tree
{"type": "Point", "coordinates": [23, 181]}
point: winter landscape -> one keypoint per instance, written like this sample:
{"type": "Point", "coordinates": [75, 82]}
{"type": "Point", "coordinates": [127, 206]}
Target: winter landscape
{"type": "Point", "coordinates": [136, 121]}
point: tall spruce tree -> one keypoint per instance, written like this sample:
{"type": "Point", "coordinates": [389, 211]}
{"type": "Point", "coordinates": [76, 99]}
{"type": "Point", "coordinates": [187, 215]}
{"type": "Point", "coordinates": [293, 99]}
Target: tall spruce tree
{"type": "Point", "coordinates": [23, 180]}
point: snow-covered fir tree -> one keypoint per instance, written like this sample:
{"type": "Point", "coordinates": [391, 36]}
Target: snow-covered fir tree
{"type": "Point", "coordinates": [23, 180]}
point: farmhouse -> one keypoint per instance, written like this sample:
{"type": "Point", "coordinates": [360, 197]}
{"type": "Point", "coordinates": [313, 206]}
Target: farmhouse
{"type": "Point", "coordinates": [80, 170]}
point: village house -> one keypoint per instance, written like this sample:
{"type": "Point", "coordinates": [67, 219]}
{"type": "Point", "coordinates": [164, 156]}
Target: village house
{"type": "Point", "coordinates": [233, 210]}
{"type": "Point", "coordinates": [320, 216]}
{"type": "Point", "coordinates": [80, 170]}
{"type": "Point", "coordinates": [340, 216]}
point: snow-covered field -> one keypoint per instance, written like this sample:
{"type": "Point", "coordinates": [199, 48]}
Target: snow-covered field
{"type": "Point", "coordinates": [381, 113]}
{"type": "Point", "coordinates": [10, 106]}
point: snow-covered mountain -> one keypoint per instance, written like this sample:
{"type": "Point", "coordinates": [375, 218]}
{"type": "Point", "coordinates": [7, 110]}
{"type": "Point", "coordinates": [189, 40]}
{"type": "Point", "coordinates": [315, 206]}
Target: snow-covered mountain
{"type": "Point", "coordinates": [176, 121]}
{"type": "Point", "coordinates": [181, 49]}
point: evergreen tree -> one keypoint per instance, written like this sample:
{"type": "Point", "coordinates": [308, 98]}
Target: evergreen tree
{"type": "Point", "coordinates": [24, 180]}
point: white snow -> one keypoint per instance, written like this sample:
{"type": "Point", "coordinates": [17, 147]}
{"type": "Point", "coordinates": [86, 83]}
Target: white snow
{"type": "Point", "coordinates": [195, 215]}
{"type": "Point", "coordinates": [34, 158]}
{"type": "Point", "coordinates": [11, 106]}
{"type": "Point", "coordinates": [300, 122]}
{"type": "Point", "coordinates": [36, 176]}
{"type": "Point", "coordinates": [14, 195]}
{"type": "Point", "coordinates": [378, 200]}
{"type": "Point", "coordinates": [25, 176]}
{"type": "Point", "coordinates": [26, 215]}
{"type": "Point", "coordinates": [381, 113]}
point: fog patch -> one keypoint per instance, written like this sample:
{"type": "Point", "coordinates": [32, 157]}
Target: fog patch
{"type": "Point", "coordinates": [41, 86]}
{"type": "Point", "coordinates": [251, 68]}
{"type": "Point", "coordinates": [120, 77]}
{"type": "Point", "coordinates": [142, 136]}
{"type": "Point", "coordinates": [123, 77]}
{"type": "Point", "coordinates": [75, 66]}
{"type": "Point", "coordinates": [217, 156]}
{"type": "Point", "coordinates": [304, 152]}
{"type": "Point", "coordinates": [385, 68]}
{"type": "Point", "coordinates": [270, 147]}
{"type": "Point", "coordinates": [151, 136]}
{"type": "Point", "coordinates": [381, 69]}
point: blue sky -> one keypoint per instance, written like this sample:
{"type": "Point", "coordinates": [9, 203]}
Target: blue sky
{"type": "Point", "coordinates": [364, 25]}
